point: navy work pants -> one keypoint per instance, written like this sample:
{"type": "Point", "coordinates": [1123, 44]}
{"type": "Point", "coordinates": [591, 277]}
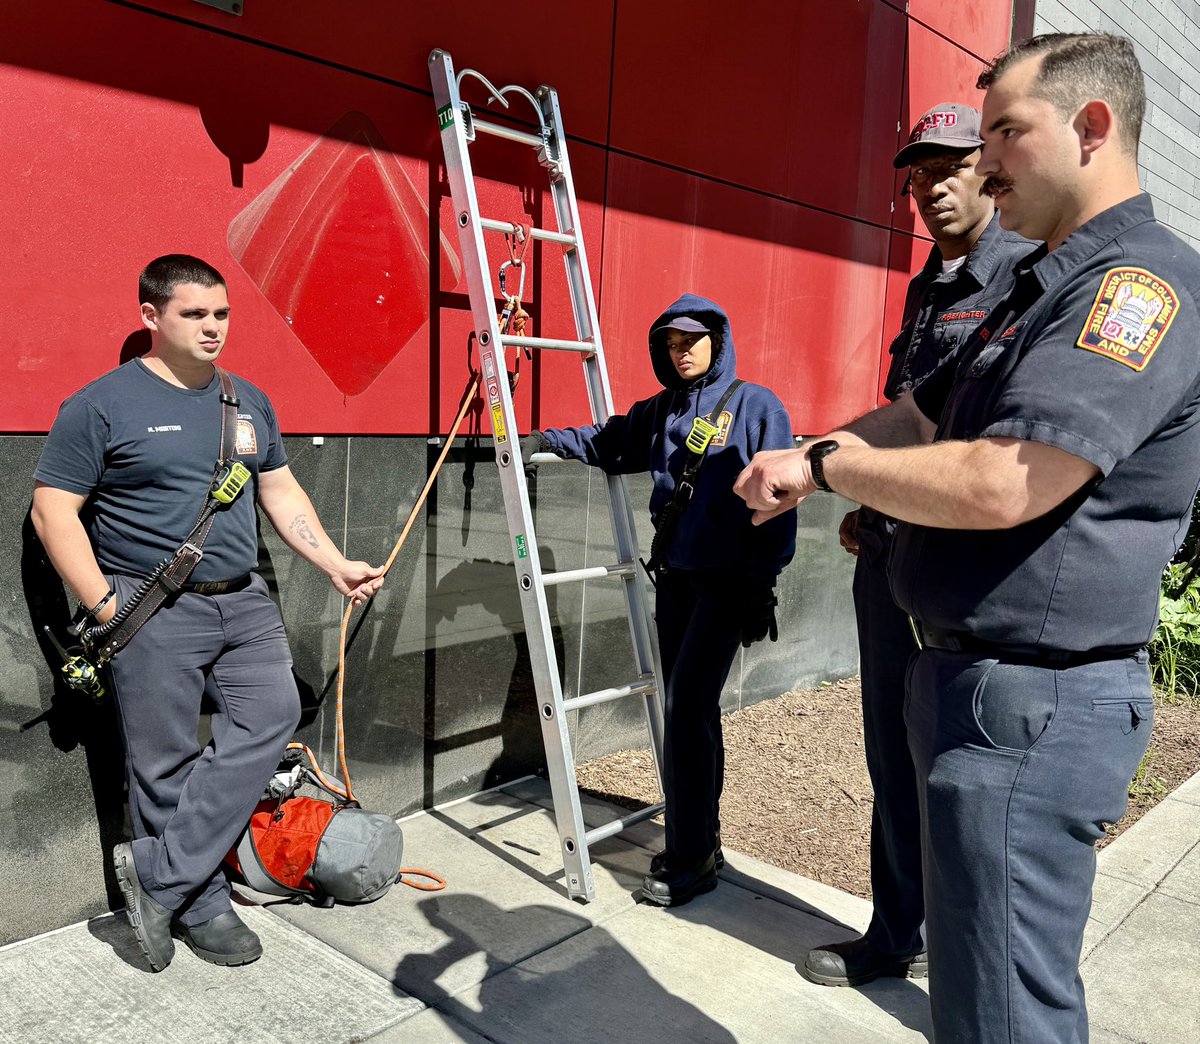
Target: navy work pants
{"type": "Point", "coordinates": [188, 806]}
{"type": "Point", "coordinates": [699, 621]}
{"type": "Point", "coordinates": [1019, 767]}
{"type": "Point", "coordinates": [885, 645]}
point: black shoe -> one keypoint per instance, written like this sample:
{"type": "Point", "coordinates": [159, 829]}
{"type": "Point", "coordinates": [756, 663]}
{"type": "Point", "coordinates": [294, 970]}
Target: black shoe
{"type": "Point", "coordinates": [226, 940]}
{"type": "Point", "coordinates": [856, 961]}
{"type": "Point", "coordinates": [674, 887]}
{"type": "Point", "coordinates": [150, 922]}
{"type": "Point", "coordinates": [660, 860]}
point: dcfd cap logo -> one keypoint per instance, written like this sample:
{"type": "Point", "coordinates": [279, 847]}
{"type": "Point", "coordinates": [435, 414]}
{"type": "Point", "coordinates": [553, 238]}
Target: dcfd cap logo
{"type": "Point", "coordinates": [945, 126]}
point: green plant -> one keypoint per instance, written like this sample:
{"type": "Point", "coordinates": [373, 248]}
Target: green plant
{"type": "Point", "coordinates": [1175, 648]}
{"type": "Point", "coordinates": [1143, 784]}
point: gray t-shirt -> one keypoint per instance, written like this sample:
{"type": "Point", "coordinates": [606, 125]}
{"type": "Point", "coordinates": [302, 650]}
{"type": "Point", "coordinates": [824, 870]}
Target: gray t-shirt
{"type": "Point", "coordinates": [143, 451]}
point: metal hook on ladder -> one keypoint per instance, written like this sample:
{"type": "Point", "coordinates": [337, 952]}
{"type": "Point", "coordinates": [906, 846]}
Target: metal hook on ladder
{"type": "Point", "coordinates": [497, 94]}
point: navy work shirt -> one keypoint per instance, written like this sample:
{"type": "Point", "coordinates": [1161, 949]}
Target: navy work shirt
{"type": "Point", "coordinates": [1095, 353]}
{"type": "Point", "coordinates": [941, 310]}
{"type": "Point", "coordinates": [143, 452]}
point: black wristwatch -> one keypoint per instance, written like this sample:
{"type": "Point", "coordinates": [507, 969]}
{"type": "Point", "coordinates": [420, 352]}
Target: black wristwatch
{"type": "Point", "coordinates": [817, 452]}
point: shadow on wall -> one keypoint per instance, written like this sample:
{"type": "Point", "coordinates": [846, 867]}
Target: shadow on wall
{"type": "Point", "coordinates": [439, 696]}
{"type": "Point", "coordinates": [71, 720]}
{"type": "Point", "coordinates": [489, 585]}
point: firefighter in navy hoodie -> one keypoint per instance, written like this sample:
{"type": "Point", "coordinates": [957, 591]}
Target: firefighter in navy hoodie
{"type": "Point", "coordinates": [714, 571]}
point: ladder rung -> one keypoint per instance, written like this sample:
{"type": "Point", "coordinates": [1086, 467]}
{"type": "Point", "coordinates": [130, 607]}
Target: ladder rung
{"type": "Point", "coordinates": [511, 133]}
{"type": "Point", "coordinates": [624, 823]}
{"type": "Point", "coordinates": [567, 576]}
{"type": "Point", "coordinates": [548, 342]}
{"type": "Point", "coordinates": [637, 688]}
{"type": "Point", "coordinates": [534, 233]}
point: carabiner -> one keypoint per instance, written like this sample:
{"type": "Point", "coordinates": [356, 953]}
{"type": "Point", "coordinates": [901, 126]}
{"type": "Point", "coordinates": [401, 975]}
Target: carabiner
{"type": "Point", "coordinates": [520, 286]}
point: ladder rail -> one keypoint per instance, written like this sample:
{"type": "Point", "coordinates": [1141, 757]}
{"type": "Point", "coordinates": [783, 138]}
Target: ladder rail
{"type": "Point", "coordinates": [583, 301]}
{"type": "Point", "coordinates": [504, 427]}
{"type": "Point", "coordinates": [458, 127]}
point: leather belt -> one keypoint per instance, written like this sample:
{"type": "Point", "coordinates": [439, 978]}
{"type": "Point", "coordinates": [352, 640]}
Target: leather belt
{"type": "Point", "coordinates": [929, 637]}
{"type": "Point", "coordinates": [211, 587]}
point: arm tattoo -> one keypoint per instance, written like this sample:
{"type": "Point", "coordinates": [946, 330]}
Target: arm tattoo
{"type": "Point", "coordinates": [300, 527]}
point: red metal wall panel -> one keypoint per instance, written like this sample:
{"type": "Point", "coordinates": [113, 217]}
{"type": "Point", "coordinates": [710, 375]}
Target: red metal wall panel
{"type": "Point", "coordinates": [254, 142]}
{"type": "Point", "coordinates": [804, 290]}
{"type": "Point", "coordinates": [799, 100]}
{"type": "Point", "coordinates": [937, 70]}
{"type": "Point", "coordinates": [982, 28]}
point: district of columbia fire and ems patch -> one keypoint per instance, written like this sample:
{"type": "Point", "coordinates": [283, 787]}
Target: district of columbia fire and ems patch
{"type": "Point", "coordinates": [1130, 316]}
{"type": "Point", "coordinates": [723, 423]}
{"type": "Point", "coordinates": [246, 443]}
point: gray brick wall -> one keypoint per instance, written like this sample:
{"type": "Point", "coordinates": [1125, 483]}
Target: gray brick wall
{"type": "Point", "coordinates": [1163, 32]}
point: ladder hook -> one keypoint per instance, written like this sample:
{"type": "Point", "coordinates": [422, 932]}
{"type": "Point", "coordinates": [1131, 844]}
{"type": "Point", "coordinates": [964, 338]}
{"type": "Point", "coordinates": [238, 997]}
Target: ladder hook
{"type": "Point", "coordinates": [498, 93]}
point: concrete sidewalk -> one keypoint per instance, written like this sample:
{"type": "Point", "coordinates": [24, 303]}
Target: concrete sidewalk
{"type": "Point", "coordinates": [502, 954]}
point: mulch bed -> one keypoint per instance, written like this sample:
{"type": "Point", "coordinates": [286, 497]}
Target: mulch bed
{"type": "Point", "coordinates": [797, 794]}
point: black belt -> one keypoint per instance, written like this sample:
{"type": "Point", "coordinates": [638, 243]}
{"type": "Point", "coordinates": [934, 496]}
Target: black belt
{"type": "Point", "coordinates": [1012, 652]}
{"type": "Point", "coordinates": [211, 587]}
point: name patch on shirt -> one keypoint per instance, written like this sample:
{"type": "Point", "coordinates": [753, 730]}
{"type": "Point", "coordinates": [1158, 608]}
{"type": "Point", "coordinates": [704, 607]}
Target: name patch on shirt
{"type": "Point", "coordinates": [723, 423]}
{"type": "Point", "coordinates": [1130, 316]}
{"type": "Point", "coordinates": [950, 317]}
{"type": "Point", "coordinates": [246, 442]}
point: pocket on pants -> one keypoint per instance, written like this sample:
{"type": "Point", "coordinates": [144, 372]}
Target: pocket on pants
{"type": "Point", "coordinates": [1127, 702]}
{"type": "Point", "coordinates": [1128, 713]}
{"type": "Point", "coordinates": [1013, 706]}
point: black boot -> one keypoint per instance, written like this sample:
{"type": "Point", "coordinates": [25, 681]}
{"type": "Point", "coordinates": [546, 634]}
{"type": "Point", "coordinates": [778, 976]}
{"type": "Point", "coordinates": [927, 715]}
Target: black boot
{"type": "Point", "coordinates": [226, 939]}
{"type": "Point", "coordinates": [856, 962]}
{"type": "Point", "coordinates": [674, 885]}
{"type": "Point", "coordinates": [150, 922]}
{"type": "Point", "coordinates": [660, 860]}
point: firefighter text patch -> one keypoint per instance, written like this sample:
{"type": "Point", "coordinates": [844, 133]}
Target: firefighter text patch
{"type": "Point", "coordinates": [1130, 316]}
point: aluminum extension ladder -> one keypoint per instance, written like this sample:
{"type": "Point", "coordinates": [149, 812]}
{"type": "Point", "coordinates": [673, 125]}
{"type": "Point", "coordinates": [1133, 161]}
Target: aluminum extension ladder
{"type": "Point", "coordinates": [459, 127]}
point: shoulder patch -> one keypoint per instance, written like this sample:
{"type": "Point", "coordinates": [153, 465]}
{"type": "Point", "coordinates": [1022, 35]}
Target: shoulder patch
{"type": "Point", "coordinates": [723, 423]}
{"type": "Point", "coordinates": [246, 443]}
{"type": "Point", "coordinates": [1130, 316]}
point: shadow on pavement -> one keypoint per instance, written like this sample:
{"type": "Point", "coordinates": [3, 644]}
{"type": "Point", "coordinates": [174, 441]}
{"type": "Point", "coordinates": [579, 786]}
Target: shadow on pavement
{"type": "Point", "coordinates": [592, 990]}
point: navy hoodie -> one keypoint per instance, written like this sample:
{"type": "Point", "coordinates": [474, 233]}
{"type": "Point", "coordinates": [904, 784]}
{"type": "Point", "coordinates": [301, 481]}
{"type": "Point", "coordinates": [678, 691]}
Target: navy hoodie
{"type": "Point", "coordinates": [714, 530]}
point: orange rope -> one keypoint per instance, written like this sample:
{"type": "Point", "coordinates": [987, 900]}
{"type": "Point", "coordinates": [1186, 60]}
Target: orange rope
{"type": "Point", "coordinates": [332, 785]}
{"type": "Point", "coordinates": [437, 886]}
{"type": "Point", "coordinates": [341, 676]}
{"type": "Point", "coordinates": [513, 238]}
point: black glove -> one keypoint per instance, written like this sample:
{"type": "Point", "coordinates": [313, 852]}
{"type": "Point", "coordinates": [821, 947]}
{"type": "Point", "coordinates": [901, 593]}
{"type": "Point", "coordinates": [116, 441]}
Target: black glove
{"type": "Point", "coordinates": [758, 616]}
{"type": "Point", "coordinates": [534, 442]}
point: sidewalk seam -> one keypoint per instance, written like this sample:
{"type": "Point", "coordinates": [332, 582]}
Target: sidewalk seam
{"type": "Point", "coordinates": [1146, 893]}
